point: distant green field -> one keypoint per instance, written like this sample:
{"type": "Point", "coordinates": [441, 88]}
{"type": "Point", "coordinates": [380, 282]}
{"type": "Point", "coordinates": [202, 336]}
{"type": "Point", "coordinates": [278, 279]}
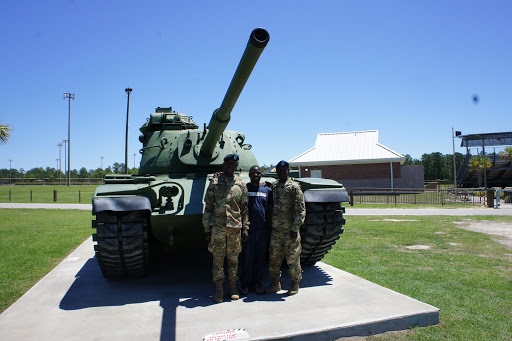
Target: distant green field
{"type": "Point", "coordinates": [45, 194]}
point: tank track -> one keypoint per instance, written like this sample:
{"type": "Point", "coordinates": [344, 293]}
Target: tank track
{"type": "Point", "coordinates": [322, 228]}
{"type": "Point", "coordinates": [122, 248]}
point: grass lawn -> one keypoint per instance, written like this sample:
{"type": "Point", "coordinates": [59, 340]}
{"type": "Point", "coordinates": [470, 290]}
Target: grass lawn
{"type": "Point", "coordinates": [414, 206]}
{"type": "Point", "coordinates": [465, 274]}
{"type": "Point", "coordinates": [32, 243]}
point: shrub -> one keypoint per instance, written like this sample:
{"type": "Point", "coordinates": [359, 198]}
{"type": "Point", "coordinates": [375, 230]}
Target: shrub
{"type": "Point", "coordinates": [508, 199]}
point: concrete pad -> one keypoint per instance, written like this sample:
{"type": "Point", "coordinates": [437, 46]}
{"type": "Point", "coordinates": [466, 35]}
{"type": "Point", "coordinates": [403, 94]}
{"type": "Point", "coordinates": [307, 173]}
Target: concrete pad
{"type": "Point", "coordinates": [74, 302]}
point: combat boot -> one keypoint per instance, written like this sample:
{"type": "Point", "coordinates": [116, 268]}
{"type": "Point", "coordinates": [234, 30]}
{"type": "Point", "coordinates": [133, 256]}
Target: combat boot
{"type": "Point", "coordinates": [233, 291]}
{"type": "Point", "coordinates": [219, 292]}
{"type": "Point", "coordinates": [275, 286]}
{"type": "Point", "coordinates": [294, 288]}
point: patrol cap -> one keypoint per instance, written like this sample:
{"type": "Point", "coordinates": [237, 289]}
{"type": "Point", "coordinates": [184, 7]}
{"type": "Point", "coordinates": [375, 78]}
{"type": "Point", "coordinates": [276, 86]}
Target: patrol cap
{"type": "Point", "coordinates": [283, 163]}
{"type": "Point", "coordinates": [231, 157]}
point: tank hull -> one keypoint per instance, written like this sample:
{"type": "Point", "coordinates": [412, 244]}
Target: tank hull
{"type": "Point", "coordinates": [161, 208]}
{"type": "Point", "coordinates": [139, 214]}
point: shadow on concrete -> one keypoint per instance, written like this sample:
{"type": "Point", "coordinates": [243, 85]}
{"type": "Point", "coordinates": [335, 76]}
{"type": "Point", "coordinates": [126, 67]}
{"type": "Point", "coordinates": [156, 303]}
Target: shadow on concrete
{"type": "Point", "coordinates": [172, 284]}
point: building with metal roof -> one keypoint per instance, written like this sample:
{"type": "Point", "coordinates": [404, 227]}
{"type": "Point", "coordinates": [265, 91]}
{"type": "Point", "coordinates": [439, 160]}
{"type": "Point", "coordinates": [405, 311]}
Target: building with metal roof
{"type": "Point", "coordinates": [348, 148]}
{"type": "Point", "coordinates": [357, 160]}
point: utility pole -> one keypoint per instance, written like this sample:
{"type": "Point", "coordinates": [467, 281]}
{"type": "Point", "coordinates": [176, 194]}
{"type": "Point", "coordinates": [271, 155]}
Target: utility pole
{"type": "Point", "coordinates": [128, 91]}
{"type": "Point", "coordinates": [69, 96]}
{"type": "Point", "coordinates": [134, 159]}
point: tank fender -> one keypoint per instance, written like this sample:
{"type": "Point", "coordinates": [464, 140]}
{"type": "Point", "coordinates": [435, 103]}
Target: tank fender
{"type": "Point", "coordinates": [121, 204]}
{"type": "Point", "coordinates": [326, 195]}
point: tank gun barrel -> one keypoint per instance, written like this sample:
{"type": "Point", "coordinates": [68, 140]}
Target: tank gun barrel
{"type": "Point", "coordinates": [220, 118]}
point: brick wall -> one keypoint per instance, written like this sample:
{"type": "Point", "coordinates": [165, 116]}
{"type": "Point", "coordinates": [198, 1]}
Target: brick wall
{"type": "Point", "coordinates": [372, 175]}
{"type": "Point", "coordinates": [358, 171]}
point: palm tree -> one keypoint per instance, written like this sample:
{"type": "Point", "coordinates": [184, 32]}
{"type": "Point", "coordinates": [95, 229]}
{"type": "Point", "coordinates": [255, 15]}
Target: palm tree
{"type": "Point", "coordinates": [507, 154]}
{"type": "Point", "coordinates": [479, 164]}
{"type": "Point", "coordinates": [5, 132]}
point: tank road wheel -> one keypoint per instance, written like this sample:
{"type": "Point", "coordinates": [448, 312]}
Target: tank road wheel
{"type": "Point", "coordinates": [122, 243]}
{"type": "Point", "coordinates": [322, 227]}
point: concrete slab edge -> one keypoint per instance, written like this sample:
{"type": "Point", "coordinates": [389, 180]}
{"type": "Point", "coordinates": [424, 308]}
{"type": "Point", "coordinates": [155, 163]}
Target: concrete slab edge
{"type": "Point", "coordinates": [367, 328]}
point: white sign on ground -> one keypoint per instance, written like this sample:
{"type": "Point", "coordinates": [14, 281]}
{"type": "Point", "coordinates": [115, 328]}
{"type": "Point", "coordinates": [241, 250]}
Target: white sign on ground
{"type": "Point", "coordinates": [234, 334]}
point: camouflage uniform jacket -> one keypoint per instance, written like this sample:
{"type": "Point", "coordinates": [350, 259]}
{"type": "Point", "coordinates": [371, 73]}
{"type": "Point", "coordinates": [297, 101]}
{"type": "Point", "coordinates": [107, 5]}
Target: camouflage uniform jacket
{"type": "Point", "coordinates": [226, 204]}
{"type": "Point", "coordinates": [289, 207]}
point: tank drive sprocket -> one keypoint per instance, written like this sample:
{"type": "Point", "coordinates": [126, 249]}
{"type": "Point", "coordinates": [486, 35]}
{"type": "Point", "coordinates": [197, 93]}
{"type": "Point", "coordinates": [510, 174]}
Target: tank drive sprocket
{"type": "Point", "coordinates": [122, 247]}
{"type": "Point", "coordinates": [322, 228]}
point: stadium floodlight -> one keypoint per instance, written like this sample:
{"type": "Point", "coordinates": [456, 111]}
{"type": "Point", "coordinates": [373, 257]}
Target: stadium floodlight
{"type": "Point", "coordinates": [69, 96]}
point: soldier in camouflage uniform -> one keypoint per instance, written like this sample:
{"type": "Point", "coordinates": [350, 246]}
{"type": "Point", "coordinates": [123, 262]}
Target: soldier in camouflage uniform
{"type": "Point", "coordinates": [288, 216]}
{"type": "Point", "coordinates": [226, 224]}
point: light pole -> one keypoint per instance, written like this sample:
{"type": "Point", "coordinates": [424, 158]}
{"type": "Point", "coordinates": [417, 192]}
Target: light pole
{"type": "Point", "coordinates": [102, 175]}
{"type": "Point", "coordinates": [10, 166]}
{"type": "Point", "coordinates": [457, 133]}
{"type": "Point", "coordinates": [69, 96]}
{"type": "Point", "coordinates": [128, 91]}
{"type": "Point", "coordinates": [60, 161]}
{"type": "Point", "coordinates": [65, 159]}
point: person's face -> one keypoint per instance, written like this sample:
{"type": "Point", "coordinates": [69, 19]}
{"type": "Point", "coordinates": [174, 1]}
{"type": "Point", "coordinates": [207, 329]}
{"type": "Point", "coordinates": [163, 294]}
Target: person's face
{"type": "Point", "coordinates": [230, 167]}
{"type": "Point", "coordinates": [255, 175]}
{"type": "Point", "coordinates": [282, 173]}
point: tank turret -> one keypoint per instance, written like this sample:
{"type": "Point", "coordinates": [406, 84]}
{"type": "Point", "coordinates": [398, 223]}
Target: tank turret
{"type": "Point", "coordinates": [172, 142]}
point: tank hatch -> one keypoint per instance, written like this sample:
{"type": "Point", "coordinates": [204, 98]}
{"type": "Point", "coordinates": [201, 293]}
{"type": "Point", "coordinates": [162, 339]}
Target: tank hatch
{"type": "Point", "coordinates": [167, 119]}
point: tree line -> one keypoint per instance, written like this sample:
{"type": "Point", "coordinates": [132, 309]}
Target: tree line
{"type": "Point", "coordinates": [437, 166]}
{"type": "Point", "coordinates": [54, 175]}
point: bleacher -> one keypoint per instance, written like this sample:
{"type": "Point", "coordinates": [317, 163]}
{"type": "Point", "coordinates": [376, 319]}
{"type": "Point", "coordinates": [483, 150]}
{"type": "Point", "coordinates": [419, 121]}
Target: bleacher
{"type": "Point", "coordinates": [500, 174]}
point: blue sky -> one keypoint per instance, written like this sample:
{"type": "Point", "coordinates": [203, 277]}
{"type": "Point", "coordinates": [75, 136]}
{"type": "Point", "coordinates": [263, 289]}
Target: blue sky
{"type": "Point", "coordinates": [406, 68]}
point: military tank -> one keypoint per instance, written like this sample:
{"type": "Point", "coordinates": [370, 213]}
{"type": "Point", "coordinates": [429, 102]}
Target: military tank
{"type": "Point", "coordinates": [161, 207]}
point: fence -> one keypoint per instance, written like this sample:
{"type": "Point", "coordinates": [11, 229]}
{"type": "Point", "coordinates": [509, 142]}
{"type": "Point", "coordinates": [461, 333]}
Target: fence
{"type": "Point", "coordinates": [65, 194]}
{"type": "Point", "coordinates": [51, 181]}
{"type": "Point", "coordinates": [24, 195]}
{"type": "Point", "coordinates": [475, 196]}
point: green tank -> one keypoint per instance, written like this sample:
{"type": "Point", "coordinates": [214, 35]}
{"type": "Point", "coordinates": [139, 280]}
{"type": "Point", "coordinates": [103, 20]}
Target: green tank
{"type": "Point", "coordinates": [161, 208]}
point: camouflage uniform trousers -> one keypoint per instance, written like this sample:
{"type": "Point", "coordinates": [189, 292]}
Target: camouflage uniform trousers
{"type": "Point", "coordinates": [281, 246]}
{"type": "Point", "coordinates": [225, 242]}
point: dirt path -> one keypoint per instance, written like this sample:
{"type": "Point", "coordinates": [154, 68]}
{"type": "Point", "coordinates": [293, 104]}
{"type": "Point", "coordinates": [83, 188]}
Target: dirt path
{"type": "Point", "coordinates": [500, 229]}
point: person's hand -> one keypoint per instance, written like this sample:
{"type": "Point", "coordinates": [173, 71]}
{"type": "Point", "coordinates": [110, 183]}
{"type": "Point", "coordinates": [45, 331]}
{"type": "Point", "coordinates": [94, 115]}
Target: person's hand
{"type": "Point", "coordinates": [207, 236]}
{"type": "Point", "coordinates": [293, 235]}
{"type": "Point", "coordinates": [217, 175]}
{"type": "Point", "coordinates": [245, 235]}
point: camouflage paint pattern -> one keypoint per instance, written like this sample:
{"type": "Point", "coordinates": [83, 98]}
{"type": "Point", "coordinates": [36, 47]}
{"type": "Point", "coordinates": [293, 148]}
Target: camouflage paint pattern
{"type": "Point", "coordinates": [282, 247]}
{"type": "Point", "coordinates": [225, 242]}
{"type": "Point", "coordinates": [226, 204]}
{"type": "Point", "coordinates": [225, 215]}
{"type": "Point", "coordinates": [289, 207]}
{"type": "Point", "coordinates": [288, 216]}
